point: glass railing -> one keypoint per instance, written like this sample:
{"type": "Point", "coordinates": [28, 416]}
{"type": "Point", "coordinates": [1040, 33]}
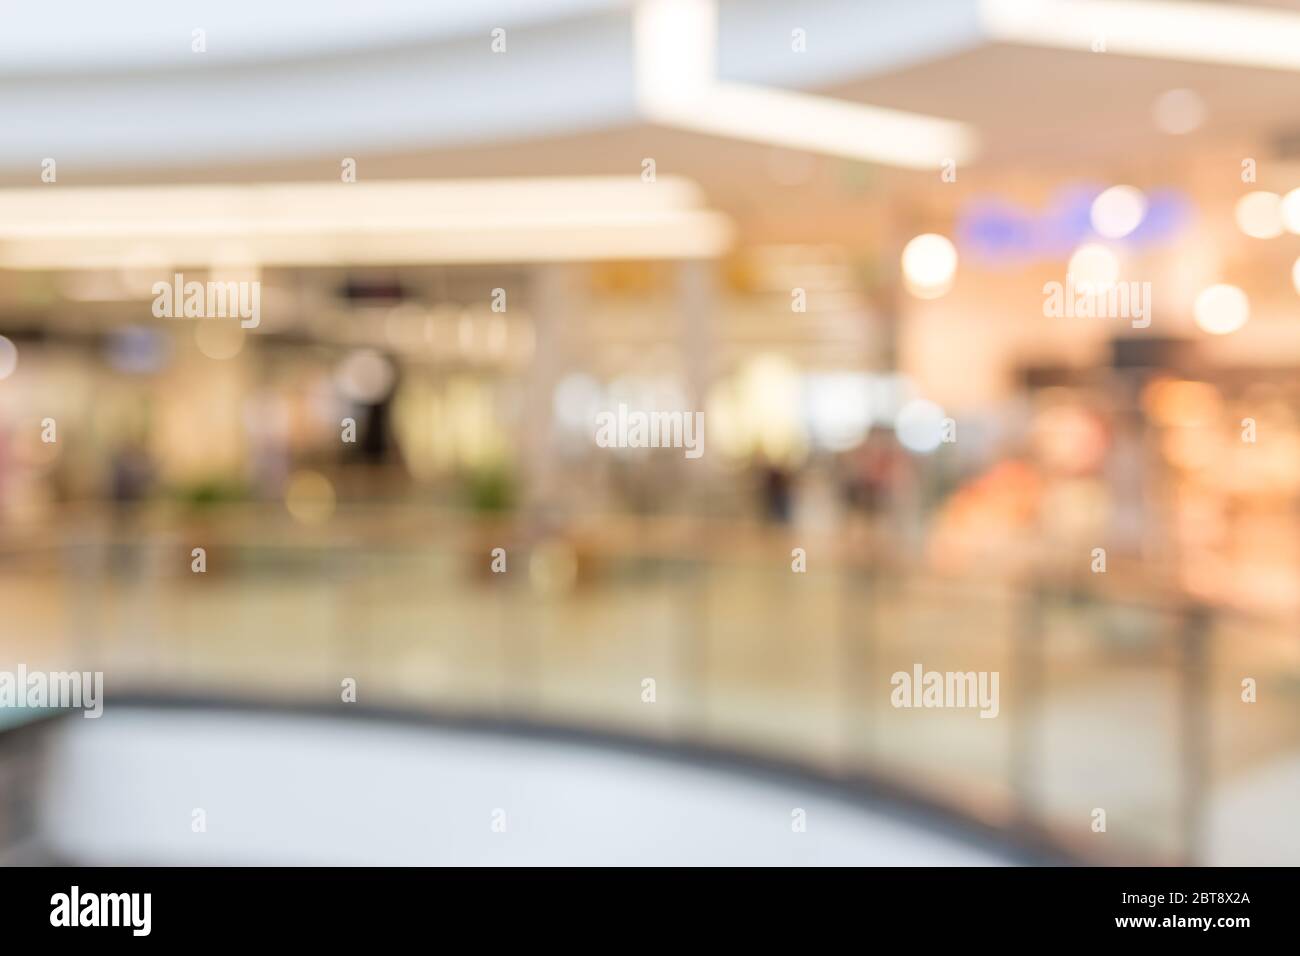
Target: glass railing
{"type": "Point", "coordinates": [1107, 701]}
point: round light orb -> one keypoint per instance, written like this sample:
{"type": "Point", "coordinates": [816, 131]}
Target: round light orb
{"type": "Point", "coordinates": [1118, 211]}
{"type": "Point", "coordinates": [1290, 211]}
{"type": "Point", "coordinates": [219, 339]}
{"type": "Point", "coordinates": [1094, 267]}
{"type": "Point", "coordinates": [365, 376]}
{"type": "Point", "coordinates": [929, 264]}
{"type": "Point", "coordinates": [919, 426]}
{"type": "Point", "coordinates": [1259, 215]}
{"type": "Point", "coordinates": [1221, 309]}
{"type": "Point", "coordinates": [309, 497]}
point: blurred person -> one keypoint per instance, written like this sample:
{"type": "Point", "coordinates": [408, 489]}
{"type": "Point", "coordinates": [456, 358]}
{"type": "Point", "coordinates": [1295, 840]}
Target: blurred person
{"type": "Point", "coordinates": [817, 506]}
{"type": "Point", "coordinates": [131, 474]}
{"type": "Point", "coordinates": [873, 472]}
{"type": "Point", "coordinates": [1125, 473]}
{"type": "Point", "coordinates": [778, 491]}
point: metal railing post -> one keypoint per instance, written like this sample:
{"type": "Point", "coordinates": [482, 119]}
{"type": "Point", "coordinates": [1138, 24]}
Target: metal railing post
{"type": "Point", "coordinates": [1195, 725]}
{"type": "Point", "coordinates": [1027, 677]}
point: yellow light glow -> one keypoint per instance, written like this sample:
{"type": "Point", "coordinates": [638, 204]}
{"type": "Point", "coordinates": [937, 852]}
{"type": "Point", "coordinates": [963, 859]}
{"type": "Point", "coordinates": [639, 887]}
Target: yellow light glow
{"type": "Point", "coordinates": [756, 411]}
{"type": "Point", "coordinates": [1178, 402]}
{"type": "Point", "coordinates": [219, 339]}
{"type": "Point", "coordinates": [309, 497]}
{"type": "Point", "coordinates": [1191, 447]}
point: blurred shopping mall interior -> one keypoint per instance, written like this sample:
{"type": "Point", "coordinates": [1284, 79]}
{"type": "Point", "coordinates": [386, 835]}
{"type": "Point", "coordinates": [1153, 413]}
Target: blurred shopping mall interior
{"type": "Point", "coordinates": [991, 312]}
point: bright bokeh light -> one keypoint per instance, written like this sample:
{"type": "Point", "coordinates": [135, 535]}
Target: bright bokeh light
{"type": "Point", "coordinates": [919, 426]}
{"type": "Point", "coordinates": [1295, 276]}
{"type": "Point", "coordinates": [1178, 112]}
{"type": "Point", "coordinates": [1118, 211]}
{"type": "Point", "coordinates": [1221, 309]}
{"type": "Point", "coordinates": [757, 411]}
{"type": "Point", "coordinates": [365, 376]}
{"type": "Point", "coordinates": [929, 264]}
{"type": "Point", "coordinates": [1094, 266]}
{"type": "Point", "coordinates": [838, 408]}
{"type": "Point", "coordinates": [1290, 211]}
{"type": "Point", "coordinates": [1259, 215]}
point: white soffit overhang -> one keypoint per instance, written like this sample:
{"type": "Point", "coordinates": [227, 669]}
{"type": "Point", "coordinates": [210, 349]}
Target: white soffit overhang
{"type": "Point", "coordinates": [678, 84]}
{"type": "Point", "coordinates": [424, 82]}
{"type": "Point", "coordinates": [123, 89]}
